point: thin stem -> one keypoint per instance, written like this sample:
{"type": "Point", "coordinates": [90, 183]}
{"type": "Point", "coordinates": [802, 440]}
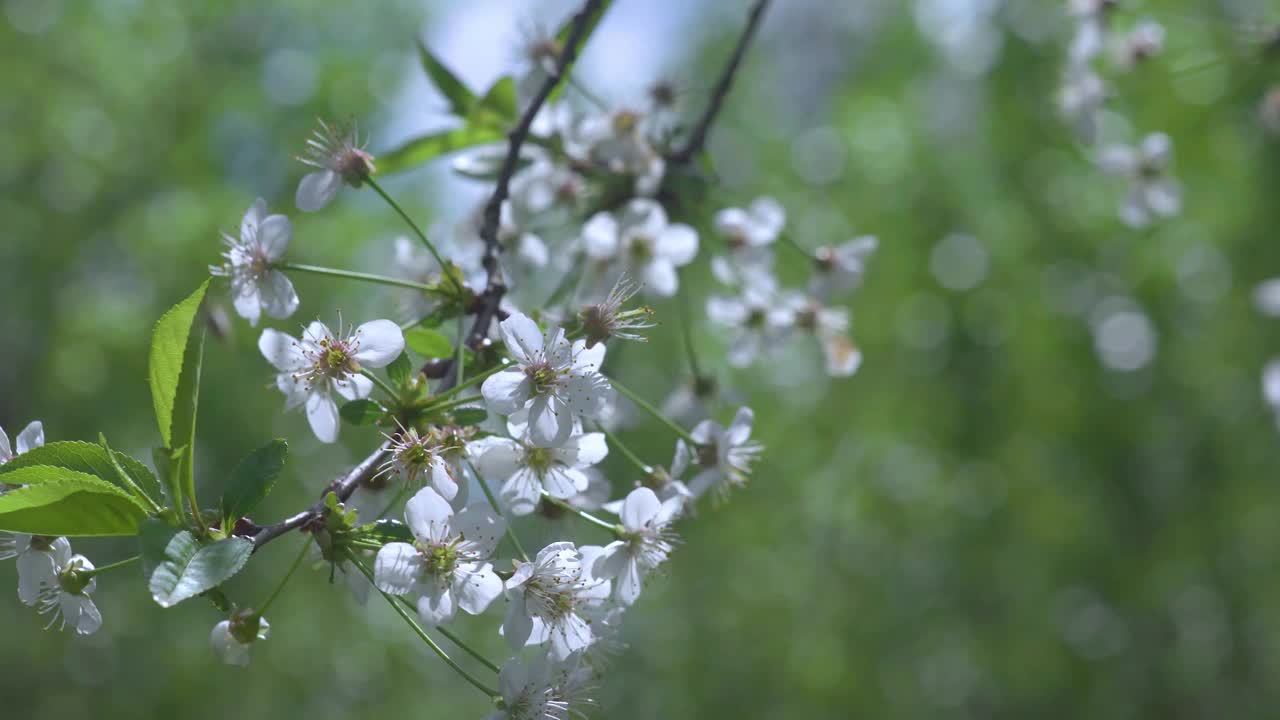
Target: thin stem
{"type": "Point", "coordinates": [302, 553]}
{"type": "Point", "coordinates": [104, 568]}
{"type": "Point", "coordinates": [461, 360]}
{"type": "Point", "coordinates": [493, 502]}
{"type": "Point", "coordinates": [455, 403]}
{"type": "Point", "coordinates": [467, 648]}
{"type": "Point", "coordinates": [654, 412]}
{"type": "Point", "coordinates": [604, 524]}
{"type": "Point", "coordinates": [383, 385]}
{"type": "Point", "coordinates": [417, 629]}
{"type": "Point", "coordinates": [363, 277]}
{"type": "Point", "coordinates": [473, 380]}
{"type": "Point", "coordinates": [641, 465]}
{"type": "Point", "coordinates": [444, 269]}
{"type": "Point", "coordinates": [687, 331]}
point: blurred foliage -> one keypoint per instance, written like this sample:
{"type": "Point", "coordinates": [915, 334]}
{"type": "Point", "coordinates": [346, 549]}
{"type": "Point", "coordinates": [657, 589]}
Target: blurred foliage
{"type": "Point", "coordinates": [985, 522]}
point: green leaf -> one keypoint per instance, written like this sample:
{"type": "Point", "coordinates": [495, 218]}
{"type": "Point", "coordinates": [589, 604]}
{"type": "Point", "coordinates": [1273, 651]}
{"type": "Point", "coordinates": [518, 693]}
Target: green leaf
{"type": "Point", "coordinates": [58, 501]}
{"type": "Point", "coordinates": [169, 345]}
{"type": "Point", "coordinates": [562, 37]}
{"type": "Point", "coordinates": [252, 479]}
{"type": "Point", "coordinates": [385, 531]}
{"type": "Point", "coordinates": [91, 459]}
{"type": "Point", "coordinates": [428, 343]}
{"type": "Point", "coordinates": [400, 370]}
{"type": "Point", "coordinates": [460, 98]}
{"type": "Point", "coordinates": [361, 412]}
{"type": "Point", "coordinates": [184, 420]}
{"type": "Point", "coordinates": [189, 569]}
{"type": "Point", "coordinates": [423, 149]}
{"type": "Point", "coordinates": [153, 537]}
{"type": "Point", "coordinates": [498, 108]}
{"type": "Point", "coordinates": [468, 416]}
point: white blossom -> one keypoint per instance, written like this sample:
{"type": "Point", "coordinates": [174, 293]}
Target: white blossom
{"type": "Point", "coordinates": [321, 362]}
{"type": "Point", "coordinates": [526, 470]}
{"type": "Point", "coordinates": [841, 268]}
{"type": "Point", "coordinates": [1143, 42]}
{"type": "Point", "coordinates": [416, 459]}
{"type": "Point", "coordinates": [231, 639]}
{"type": "Point", "coordinates": [543, 690]}
{"type": "Point", "coordinates": [67, 596]}
{"type": "Point", "coordinates": [447, 566]}
{"type": "Point", "coordinates": [32, 436]}
{"type": "Point", "coordinates": [39, 558]}
{"type": "Point", "coordinates": [252, 260]}
{"type": "Point", "coordinates": [553, 381]}
{"type": "Point", "coordinates": [1081, 99]}
{"type": "Point", "coordinates": [338, 156]}
{"type": "Point", "coordinates": [724, 455]}
{"type": "Point", "coordinates": [830, 325]}
{"type": "Point", "coordinates": [646, 542]}
{"type": "Point", "coordinates": [616, 141]}
{"type": "Point", "coordinates": [749, 232]}
{"type": "Point", "coordinates": [757, 321]}
{"type": "Point", "coordinates": [1152, 192]}
{"type": "Point", "coordinates": [643, 242]}
{"type": "Point", "coordinates": [549, 598]}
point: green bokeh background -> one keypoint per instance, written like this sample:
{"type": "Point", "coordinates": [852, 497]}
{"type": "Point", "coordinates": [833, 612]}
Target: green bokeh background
{"type": "Point", "coordinates": [984, 522]}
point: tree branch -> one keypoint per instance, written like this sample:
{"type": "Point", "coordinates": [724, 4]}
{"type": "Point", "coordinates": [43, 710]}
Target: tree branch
{"type": "Point", "coordinates": [486, 307]}
{"type": "Point", "coordinates": [698, 138]}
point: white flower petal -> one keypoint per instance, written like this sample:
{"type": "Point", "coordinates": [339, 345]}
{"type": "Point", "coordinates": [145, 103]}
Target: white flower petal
{"type": "Point", "coordinates": [477, 587]}
{"type": "Point", "coordinates": [428, 515]}
{"type": "Point", "coordinates": [522, 337]}
{"type": "Point", "coordinates": [32, 436]}
{"type": "Point", "coordinates": [322, 414]}
{"type": "Point", "coordinates": [274, 235]}
{"type": "Point", "coordinates": [354, 387]}
{"type": "Point", "coordinates": [507, 391]}
{"type": "Point", "coordinates": [600, 237]}
{"type": "Point", "coordinates": [397, 568]}
{"type": "Point", "coordinates": [678, 244]}
{"type": "Point", "coordinates": [317, 190]}
{"type": "Point", "coordinates": [278, 298]}
{"type": "Point", "coordinates": [479, 525]}
{"type": "Point", "coordinates": [381, 341]}
{"type": "Point", "coordinates": [639, 509]}
{"type": "Point", "coordinates": [281, 350]}
{"type": "Point", "coordinates": [253, 217]}
{"type": "Point", "coordinates": [436, 605]}
{"type": "Point", "coordinates": [660, 278]}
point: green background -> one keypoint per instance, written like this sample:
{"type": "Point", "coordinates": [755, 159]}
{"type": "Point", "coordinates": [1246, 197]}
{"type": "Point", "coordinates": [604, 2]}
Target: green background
{"type": "Point", "coordinates": [984, 522]}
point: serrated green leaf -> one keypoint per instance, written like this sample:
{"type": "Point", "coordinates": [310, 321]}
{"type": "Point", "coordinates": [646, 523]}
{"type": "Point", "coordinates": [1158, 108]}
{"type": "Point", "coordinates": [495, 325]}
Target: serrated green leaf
{"type": "Point", "coordinates": [361, 412]}
{"type": "Point", "coordinates": [252, 479]}
{"type": "Point", "coordinates": [58, 501]}
{"type": "Point", "coordinates": [385, 531]}
{"type": "Point", "coordinates": [92, 459]}
{"type": "Point", "coordinates": [459, 96]}
{"type": "Point", "coordinates": [400, 370]}
{"type": "Point", "coordinates": [169, 345]}
{"type": "Point", "coordinates": [189, 569]}
{"type": "Point", "coordinates": [184, 416]}
{"type": "Point", "coordinates": [428, 343]}
{"type": "Point", "coordinates": [468, 416]}
{"type": "Point", "coordinates": [421, 150]}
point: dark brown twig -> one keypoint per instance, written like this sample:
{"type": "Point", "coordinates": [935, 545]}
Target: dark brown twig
{"type": "Point", "coordinates": [698, 138]}
{"type": "Point", "coordinates": [486, 306]}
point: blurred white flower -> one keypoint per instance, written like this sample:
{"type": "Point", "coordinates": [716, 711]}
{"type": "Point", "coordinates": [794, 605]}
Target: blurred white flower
{"type": "Point", "coordinates": [251, 261]}
{"type": "Point", "coordinates": [447, 565]}
{"type": "Point", "coordinates": [554, 381]}
{"type": "Point", "coordinates": [322, 361]}
{"type": "Point", "coordinates": [543, 690]}
{"type": "Point", "coordinates": [1081, 99]}
{"type": "Point", "coordinates": [830, 325]}
{"type": "Point", "coordinates": [549, 598]}
{"type": "Point", "coordinates": [646, 542]}
{"type": "Point", "coordinates": [724, 455]}
{"type": "Point", "coordinates": [643, 242]}
{"type": "Point", "coordinates": [32, 436]}
{"type": "Point", "coordinates": [526, 470]}
{"type": "Point", "coordinates": [338, 156]}
{"type": "Point", "coordinates": [1143, 42]}
{"type": "Point", "coordinates": [1152, 192]}
{"type": "Point", "coordinates": [616, 141]}
{"type": "Point", "coordinates": [841, 268]}
{"type": "Point", "coordinates": [758, 322]}
{"type": "Point", "coordinates": [231, 639]}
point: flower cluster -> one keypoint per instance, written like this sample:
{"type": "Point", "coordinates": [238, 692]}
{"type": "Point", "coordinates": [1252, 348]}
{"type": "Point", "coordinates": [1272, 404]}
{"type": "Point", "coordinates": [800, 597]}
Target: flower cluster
{"type": "Point", "coordinates": [1153, 192]}
{"type": "Point", "coordinates": [761, 315]}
